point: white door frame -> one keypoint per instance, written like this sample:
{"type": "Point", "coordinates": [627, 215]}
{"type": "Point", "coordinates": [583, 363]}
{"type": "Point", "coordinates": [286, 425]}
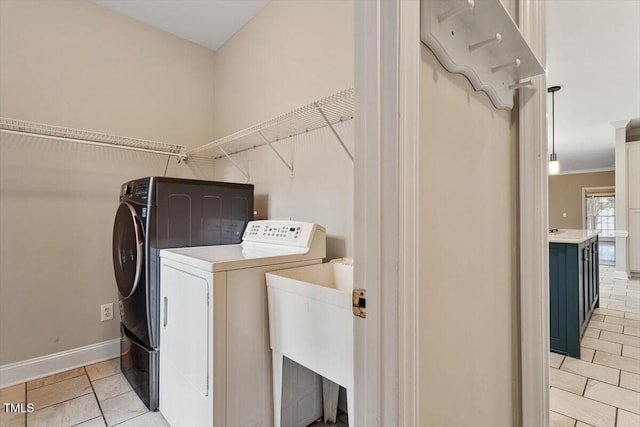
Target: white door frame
{"type": "Point", "coordinates": [408, 208]}
{"type": "Point", "coordinates": [534, 245]}
{"type": "Point", "coordinates": [387, 57]}
{"type": "Point", "coordinates": [387, 54]}
{"type": "Point", "coordinates": [375, 213]}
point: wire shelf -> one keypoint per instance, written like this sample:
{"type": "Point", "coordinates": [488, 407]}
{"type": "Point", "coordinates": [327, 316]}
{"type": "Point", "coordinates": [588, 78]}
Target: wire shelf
{"type": "Point", "coordinates": [328, 111]}
{"type": "Point", "coordinates": [8, 125]}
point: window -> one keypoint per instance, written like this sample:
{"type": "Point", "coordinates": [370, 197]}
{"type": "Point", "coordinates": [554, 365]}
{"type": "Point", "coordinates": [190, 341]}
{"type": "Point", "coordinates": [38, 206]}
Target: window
{"type": "Point", "coordinates": [600, 214]}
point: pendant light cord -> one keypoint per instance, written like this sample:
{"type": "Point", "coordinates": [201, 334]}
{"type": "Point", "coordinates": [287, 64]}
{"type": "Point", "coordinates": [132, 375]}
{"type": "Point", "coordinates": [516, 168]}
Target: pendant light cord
{"type": "Point", "coordinates": [553, 122]}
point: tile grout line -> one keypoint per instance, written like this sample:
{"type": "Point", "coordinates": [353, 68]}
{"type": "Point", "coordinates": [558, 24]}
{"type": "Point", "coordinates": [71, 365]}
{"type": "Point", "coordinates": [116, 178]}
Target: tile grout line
{"type": "Point", "coordinates": [81, 422]}
{"type": "Point", "coordinates": [629, 389]}
{"type": "Point", "coordinates": [101, 378]}
{"type": "Point", "coordinates": [62, 401]}
{"type": "Point", "coordinates": [55, 382]}
{"type": "Point", "coordinates": [129, 419]}
{"type": "Point", "coordinates": [613, 342]}
{"type": "Point", "coordinates": [617, 369]}
{"type": "Point", "coordinates": [96, 396]}
{"type": "Point", "coordinates": [587, 398]}
{"type": "Point", "coordinates": [115, 395]}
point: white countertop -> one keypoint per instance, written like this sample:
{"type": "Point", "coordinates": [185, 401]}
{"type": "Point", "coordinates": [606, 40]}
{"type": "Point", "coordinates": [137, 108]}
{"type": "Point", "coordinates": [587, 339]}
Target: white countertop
{"type": "Point", "coordinates": [571, 236]}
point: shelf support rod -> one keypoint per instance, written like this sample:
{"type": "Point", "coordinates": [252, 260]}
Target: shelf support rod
{"type": "Point", "coordinates": [246, 175]}
{"type": "Point", "coordinates": [334, 131]}
{"type": "Point", "coordinates": [290, 167]}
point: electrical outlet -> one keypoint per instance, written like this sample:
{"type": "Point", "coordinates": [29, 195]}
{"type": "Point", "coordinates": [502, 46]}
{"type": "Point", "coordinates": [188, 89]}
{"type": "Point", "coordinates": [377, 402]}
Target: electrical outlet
{"type": "Point", "coordinates": [106, 312]}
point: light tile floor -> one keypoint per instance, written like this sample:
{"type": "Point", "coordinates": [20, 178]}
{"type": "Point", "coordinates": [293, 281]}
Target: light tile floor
{"type": "Point", "coordinates": [90, 396]}
{"type": "Point", "coordinates": [602, 389]}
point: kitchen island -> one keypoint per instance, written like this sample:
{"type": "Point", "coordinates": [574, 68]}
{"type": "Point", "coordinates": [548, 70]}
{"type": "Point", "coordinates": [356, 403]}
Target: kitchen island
{"type": "Point", "coordinates": [573, 287]}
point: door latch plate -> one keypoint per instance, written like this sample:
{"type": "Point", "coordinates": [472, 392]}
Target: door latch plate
{"type": "Point", "coordinates": [359, 303]}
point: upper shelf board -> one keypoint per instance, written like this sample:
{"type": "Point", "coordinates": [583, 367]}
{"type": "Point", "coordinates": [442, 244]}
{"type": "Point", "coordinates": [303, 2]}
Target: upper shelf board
{"type": "Point", "coordinates": [479, 40]}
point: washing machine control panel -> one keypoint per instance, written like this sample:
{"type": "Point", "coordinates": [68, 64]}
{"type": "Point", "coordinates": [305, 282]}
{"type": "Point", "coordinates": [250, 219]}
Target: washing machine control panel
{"type": "Point", "coordinates": [292, 233]}
{"type": "Point", "coordinates": [136, 191]}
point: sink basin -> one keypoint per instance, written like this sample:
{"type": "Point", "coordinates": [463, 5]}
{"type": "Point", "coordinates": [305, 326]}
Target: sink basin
{"type": "Point", "coordinates": [311, 322]}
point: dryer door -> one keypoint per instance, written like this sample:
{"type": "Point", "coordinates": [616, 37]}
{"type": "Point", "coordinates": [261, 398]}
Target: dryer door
{"type": "Point", "coordinates": [127, 249]}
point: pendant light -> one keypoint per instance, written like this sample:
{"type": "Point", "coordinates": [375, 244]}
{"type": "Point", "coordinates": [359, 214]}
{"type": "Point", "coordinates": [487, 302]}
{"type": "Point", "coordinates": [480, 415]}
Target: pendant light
{"type": "Point", "coordinates": [554, 164]}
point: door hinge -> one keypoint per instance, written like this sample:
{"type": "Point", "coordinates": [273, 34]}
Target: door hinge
{"type": "Point", "coordinates": [359, 303]}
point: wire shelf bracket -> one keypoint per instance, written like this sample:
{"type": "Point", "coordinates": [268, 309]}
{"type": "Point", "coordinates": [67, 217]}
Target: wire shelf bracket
{"type": "Point", "coordinates": [58, 133]}
{"type": "Point", "coordinates": [334, 132]}
{"type": "Point", "coordinates": [328, 111]}
{"type": "Point", "coordinates": [246, 174]}
{"type": "Point", "coordinates": [290, 167]}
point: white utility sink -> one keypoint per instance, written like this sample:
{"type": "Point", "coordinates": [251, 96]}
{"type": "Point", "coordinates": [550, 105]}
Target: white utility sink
{"type": "Point", "coordinates": [311, 323]}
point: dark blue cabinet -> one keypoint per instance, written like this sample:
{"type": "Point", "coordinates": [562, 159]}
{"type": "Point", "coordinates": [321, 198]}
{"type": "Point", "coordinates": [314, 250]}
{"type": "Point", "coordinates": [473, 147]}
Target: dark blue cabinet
{"type": "Point", "coordinates": [573, 292]}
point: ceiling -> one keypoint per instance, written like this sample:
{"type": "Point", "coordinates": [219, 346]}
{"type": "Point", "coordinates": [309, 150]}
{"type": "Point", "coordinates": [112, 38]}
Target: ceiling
{"type": "Point", "coordinates": [209, 23]}
{"type": "Point", "coordinates": [593, 52]}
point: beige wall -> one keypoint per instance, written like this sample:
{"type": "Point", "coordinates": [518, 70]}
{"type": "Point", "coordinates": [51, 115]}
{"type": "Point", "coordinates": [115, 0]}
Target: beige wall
{"type": "Point", "coordinates": [289, 55]}
{"type": "Point", "coordinates": [469, 289]}
{"type": "Point", "coordinates": [57, 203]}
{"type": "Point", "coordinates": [72, 63]}
{"type": "Point", "coordinates": [565, 196]}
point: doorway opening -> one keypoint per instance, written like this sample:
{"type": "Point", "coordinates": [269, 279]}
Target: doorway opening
{"type": "Point", "coordinates": [599, 215]}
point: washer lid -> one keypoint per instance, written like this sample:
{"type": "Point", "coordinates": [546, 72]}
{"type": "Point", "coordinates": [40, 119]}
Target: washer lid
{"type": "Point", "coordinates": [127, 249]}
{"type": "Point", "coordinates": [233, 257]}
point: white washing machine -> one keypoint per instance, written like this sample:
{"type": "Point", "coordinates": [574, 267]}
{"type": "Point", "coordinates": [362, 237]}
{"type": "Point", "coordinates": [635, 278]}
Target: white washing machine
{"type": "Point", "coordinates": [215, 363]}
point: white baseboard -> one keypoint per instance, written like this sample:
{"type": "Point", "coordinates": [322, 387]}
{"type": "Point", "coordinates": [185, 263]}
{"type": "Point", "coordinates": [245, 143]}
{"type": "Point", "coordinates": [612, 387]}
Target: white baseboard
{"type": "Point", "coordinates": [26, 370]}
